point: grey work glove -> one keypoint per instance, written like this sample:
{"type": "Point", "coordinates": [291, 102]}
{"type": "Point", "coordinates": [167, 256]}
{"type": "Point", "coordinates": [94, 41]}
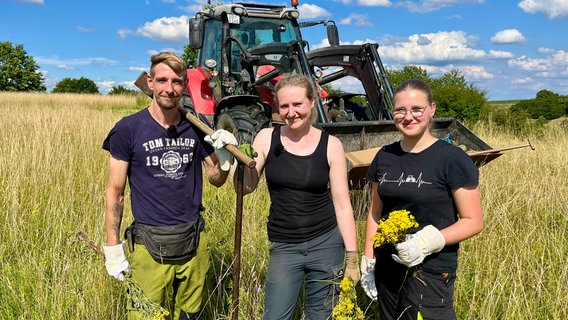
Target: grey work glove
{"type": "Point", "coordinates": [352, 266]}
{"type": "Point", "coordinates": [368, 277]}
{"type": "Point", "coordinates": [115, 261]}
{"type": "Point", "coordinates": [219, 139]}
{"type": "Point", "coordinates": [418, 246]}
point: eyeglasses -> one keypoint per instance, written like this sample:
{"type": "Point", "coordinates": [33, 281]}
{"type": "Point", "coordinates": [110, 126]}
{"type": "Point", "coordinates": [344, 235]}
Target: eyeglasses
{"type": "Point", "coordinates": [416, 112]}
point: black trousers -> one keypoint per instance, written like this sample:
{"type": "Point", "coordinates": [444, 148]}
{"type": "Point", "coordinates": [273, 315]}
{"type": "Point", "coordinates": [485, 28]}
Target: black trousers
{"type": "Point", "coordinates": [404, 292]}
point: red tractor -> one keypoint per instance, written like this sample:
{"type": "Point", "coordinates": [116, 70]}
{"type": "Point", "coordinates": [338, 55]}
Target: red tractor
{"type": "Point", "coordinates": [244, 48]}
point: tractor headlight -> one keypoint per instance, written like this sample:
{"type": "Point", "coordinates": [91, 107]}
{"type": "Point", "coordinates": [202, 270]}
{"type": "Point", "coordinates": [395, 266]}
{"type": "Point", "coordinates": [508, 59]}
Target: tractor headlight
{"type": "Point", "coordinates": [210, 63]}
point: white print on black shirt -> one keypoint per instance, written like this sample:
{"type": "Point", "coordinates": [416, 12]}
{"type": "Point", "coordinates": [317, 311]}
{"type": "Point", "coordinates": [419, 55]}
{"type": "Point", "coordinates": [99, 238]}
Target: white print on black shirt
{"type": "Point", "coordinates": [160, 143]}
{"type": "Point", "coordinates": [409, 179]}
{"type": "Point", "coordinates": [170, 161]}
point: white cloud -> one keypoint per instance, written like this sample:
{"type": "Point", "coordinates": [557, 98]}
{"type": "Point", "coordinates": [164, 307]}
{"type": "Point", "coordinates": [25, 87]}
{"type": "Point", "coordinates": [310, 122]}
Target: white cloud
{"type": "Point", "coordinates": [194, 6]}
{"type": "Point", "coordinates": [432, 47]}
{"type": "Point", "coordinates": [424, 6]}
{"type": "Point", "coordinates": [138, 69]}
{"type": "Point", "coordinates": [311, 11]}
{"type": "Point", "coordinates": [374, 3]}
{"type": "Point", "coordinates": [475, 72]}
{"type": "Point", "coordinates": [360, 20]}
{"type": "Point", "coordinates": [498, 54]}
{"type": "Point", "coordinates": [123, 33]}
{"type": "Point", "coordinates": [545, 50]}
{"type": "Point", "coordinates": [323, 43]}
{"type": "Point", "coordinates": [151, 52]}
{"type": "Point", "coordinates": [508, 36]}
{"type": "Point", "coordinates": [105, 85]}
{"type": "Point", "coordinates": [71, 64]}
{"type": "Point", "coordinates": [525, 80]}
{"type": "Point", "coordinates": [469, 72]}
{"type": "Point", "coordinates": [84, 29]}
{"type": "Point", "coordinates": [552, 8]}
{"type": "Point", "coordinates": [368, 3]}
{"type": "Point", "coordinates": [529, 64]}
{"type": "Point", "coordinates": [172, 29]}
{"type": "Point", "coordinates": [555, 65]}
{"type": "Point", "coordinates": [31, 1]}
{"type": "Point", "coordinates": [65, 67]}
{"type": "Point", "coordinates": [454, 17]}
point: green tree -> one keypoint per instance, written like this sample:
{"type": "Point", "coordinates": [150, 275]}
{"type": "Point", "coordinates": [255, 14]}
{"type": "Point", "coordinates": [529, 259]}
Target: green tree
{"type": "Point", "coordinates": [397, 76]}
{"type": "Point", "coordinates": [122, 90]}
{"type": "Point", "coordinates": [81, 85]}
{"type": "Point", "coordinates": [18, 71]}
{"type": "Point", "coordinates": [457, 98]}
{"type": "Point", "coordinates": [330, 90]}
{"type": "Point", "coordinates": [546, 104]}
{"type": "Point", "coordinates": [454, 96]}
{"type": "Point", "coordinates": [190, 56]}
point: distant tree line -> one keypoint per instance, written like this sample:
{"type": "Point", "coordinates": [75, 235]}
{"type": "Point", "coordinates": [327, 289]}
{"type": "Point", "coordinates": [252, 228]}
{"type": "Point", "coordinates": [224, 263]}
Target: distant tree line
{"type": "Point", "coordinates": [546, 104]}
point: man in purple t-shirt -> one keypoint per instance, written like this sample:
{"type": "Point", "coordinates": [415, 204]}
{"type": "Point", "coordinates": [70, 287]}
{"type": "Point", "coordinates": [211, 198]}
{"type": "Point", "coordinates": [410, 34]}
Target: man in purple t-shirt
{"type": "Point", "coordinates": [162, 156]}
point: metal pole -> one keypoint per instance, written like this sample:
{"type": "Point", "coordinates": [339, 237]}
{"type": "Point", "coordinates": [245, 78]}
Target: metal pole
{"type": "Point", "coordinates": [237, 242]}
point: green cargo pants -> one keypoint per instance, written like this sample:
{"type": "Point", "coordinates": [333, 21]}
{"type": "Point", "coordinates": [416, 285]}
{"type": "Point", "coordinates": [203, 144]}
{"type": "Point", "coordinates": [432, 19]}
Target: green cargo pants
{"type": "Point", "coordinates": [176, 285]}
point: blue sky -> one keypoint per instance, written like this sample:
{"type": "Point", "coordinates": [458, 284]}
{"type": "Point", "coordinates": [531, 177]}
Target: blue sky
{"type": "Point", "coordinates": [510, 48]}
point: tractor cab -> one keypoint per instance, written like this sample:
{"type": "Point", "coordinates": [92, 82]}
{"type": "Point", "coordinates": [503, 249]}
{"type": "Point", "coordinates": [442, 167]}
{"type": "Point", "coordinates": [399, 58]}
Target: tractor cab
{"type": "Point", "coordinates": [223, 35]}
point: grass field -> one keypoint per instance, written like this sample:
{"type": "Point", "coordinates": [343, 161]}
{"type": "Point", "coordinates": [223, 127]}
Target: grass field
{"type": "Point", "coordinates": [52, 181]}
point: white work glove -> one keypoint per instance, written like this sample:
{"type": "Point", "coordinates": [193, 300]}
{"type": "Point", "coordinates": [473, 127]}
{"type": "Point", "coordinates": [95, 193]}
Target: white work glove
{"type": "Point", "coordinates": [116, 263]}
{"type": "Point", "coordinates": [219, 139]}
{"type": "Point", "coordinates": [368, 277]}
{"type": "Point", "coordinates": [418, 246]}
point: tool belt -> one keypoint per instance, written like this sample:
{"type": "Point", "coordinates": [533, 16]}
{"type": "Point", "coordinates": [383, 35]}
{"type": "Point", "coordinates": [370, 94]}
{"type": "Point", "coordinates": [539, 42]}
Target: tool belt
{"type": "Point", "coordinates": [175, 242]}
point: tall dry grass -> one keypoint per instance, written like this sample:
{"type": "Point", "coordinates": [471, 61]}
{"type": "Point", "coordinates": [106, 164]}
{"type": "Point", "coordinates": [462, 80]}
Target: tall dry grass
{"type": "Point", "coordinates": [53, 176]}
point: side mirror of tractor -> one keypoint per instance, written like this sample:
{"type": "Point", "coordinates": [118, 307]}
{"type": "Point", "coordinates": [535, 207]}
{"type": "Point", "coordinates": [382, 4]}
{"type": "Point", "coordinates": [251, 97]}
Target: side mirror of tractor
{"type": "Point", "coordinates": [332, 34]}
{"type": "Point", "coordinates": [196, 33]}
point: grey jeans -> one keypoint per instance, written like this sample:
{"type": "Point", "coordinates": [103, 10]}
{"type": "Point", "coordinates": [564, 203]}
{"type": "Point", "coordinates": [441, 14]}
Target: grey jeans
{"type": "Point", "coordinates": [318, 262]}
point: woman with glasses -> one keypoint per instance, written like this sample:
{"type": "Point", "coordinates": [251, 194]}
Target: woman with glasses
{"type": "Point", "coordinates": [438, 184]}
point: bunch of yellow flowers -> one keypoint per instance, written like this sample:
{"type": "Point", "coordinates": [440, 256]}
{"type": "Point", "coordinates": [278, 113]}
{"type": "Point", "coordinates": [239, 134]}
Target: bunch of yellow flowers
{"type": "Point", "coordinates": [347, 308]}
{"type": "Point", "coordinates": [393, 229]}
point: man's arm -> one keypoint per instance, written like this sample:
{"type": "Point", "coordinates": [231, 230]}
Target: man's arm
{"type": "Point", "coordinates": [115, 199]}
{"type": "Point", "coordinates": [216, 176]}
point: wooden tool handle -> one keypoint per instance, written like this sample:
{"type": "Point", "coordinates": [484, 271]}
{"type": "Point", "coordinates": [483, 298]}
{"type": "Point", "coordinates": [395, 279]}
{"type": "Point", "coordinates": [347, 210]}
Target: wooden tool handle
{"type": "Point", "coordinates": [241, 156]}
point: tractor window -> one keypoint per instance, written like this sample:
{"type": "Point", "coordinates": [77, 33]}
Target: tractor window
{"type": "Point", "coordinates": [258, 31]}
{"type": "Point", "coordinates": [212, 41]}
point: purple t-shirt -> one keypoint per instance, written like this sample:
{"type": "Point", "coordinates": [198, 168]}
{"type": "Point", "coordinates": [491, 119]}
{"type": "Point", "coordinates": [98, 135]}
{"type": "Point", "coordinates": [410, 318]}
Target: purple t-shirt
{"type": "Point", "coordinates": [165, 174]}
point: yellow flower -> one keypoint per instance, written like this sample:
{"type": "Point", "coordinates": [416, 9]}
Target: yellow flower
{"type": "Point", "coordinates": [347, 308]}
{"type": "Point", "coordinates": [393, 229]}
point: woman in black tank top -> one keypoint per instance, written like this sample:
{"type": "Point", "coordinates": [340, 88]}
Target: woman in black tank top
{"type": "Point", "coordinates": [310, 224]}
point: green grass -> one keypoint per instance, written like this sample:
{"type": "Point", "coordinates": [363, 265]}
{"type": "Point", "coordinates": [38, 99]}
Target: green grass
{"type": "Point", "coordinates": [53, 176]}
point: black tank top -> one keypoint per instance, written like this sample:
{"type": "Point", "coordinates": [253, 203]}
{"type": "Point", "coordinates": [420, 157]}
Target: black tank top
{"type": "Point", "coordinates": [301, 207]}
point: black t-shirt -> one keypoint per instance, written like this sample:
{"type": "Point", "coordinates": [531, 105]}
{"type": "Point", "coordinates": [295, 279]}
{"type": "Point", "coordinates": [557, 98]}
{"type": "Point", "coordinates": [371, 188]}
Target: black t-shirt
{"type": "Point", "coordinates": [301, 208]}
{"type": "Point", "coordinates": [422, 183]}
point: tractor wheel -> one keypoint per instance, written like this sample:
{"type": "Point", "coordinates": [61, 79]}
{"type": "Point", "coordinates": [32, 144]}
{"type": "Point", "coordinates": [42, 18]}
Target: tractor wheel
{"type": "Point", "coordinates": [244, 121]}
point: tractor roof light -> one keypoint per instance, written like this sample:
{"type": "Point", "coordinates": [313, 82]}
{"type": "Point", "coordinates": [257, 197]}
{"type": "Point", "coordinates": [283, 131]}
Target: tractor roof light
{"type": "Point", "coordinates": [291, 14]}
{"type": "Point", "coordinates": [239, 11]}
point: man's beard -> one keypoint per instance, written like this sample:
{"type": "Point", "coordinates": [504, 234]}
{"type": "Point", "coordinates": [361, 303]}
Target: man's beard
{"type": "Point", "coordinates": [167, 106]}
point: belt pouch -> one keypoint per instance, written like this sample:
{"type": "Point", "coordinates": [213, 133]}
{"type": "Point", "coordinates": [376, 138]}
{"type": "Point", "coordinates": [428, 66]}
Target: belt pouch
{"type": "Point", "coordinates": [176, 242]}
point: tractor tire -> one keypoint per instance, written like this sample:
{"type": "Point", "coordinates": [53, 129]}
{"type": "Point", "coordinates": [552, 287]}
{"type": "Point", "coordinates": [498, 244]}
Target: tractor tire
{"type": "Point", "coordinates": [243, 121]}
